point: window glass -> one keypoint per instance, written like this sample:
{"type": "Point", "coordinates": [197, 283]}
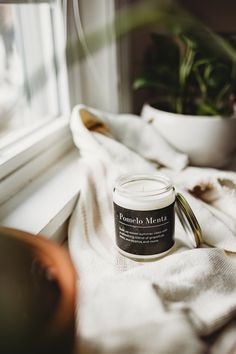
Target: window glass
{"type": "Point", "coordinates": [29, 88]}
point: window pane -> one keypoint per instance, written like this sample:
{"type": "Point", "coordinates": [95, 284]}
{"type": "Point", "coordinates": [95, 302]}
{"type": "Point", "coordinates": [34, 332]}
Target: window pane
{"type": "Point", "coordinates": [29, 90]}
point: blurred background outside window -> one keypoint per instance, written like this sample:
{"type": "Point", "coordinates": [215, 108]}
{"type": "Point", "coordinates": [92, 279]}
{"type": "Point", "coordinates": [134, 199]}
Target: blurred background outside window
{"type": "Point", "coordinates": [30, 87]}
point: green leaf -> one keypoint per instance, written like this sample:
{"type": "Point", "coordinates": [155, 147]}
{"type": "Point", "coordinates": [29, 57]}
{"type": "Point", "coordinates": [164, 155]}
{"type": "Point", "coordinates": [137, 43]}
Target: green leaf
{"type": "Point", "coordinates": [202, 62]}
{"type": "Point", "coordinates": [188, 41]}
{"type": "Point", "coordinates": [226, 89]}
{"type": "Point", "coordinates": [186, 67]}
{"type": "Point", "coordinates": [216, 74]}
{"type": "Point", "coordinates": [140, 82]}
{"type": "Point", "coordinates": [205, 108]}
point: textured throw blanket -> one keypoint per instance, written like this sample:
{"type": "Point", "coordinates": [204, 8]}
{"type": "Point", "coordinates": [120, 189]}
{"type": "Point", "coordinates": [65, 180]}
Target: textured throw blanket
{"type": "Point", "coordinates": [183, 303]}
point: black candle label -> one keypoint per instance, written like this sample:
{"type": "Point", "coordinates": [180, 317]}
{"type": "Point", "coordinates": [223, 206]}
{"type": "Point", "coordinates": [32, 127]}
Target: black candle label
{"type": "Point", "coordinates": [146, 232]}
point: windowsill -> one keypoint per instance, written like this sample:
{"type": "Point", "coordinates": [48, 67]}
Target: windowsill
{"type": "Point", "coordinates": [44, 205]}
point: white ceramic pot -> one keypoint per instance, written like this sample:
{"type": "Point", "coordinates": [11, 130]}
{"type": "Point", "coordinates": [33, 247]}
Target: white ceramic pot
{"type": "Point", "coordinates": [208, 141]}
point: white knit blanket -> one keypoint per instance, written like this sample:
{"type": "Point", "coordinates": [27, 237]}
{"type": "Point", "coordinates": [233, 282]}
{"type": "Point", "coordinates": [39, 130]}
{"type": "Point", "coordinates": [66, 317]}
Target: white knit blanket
{"type": "Point", "coordinates": [169, 306]}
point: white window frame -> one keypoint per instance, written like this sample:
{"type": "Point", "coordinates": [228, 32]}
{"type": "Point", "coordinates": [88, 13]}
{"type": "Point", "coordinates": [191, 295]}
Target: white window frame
{"type": "Point", "coordinates": [12, 146]}
{"type": "Point", "coordinates": [39, 174]}
{"type": "Point", "coordinates": [26, 157]}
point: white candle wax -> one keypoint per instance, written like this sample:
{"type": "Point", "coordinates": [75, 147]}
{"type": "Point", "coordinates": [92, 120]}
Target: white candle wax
{"type": "Point", "coordinates": [144, 194]}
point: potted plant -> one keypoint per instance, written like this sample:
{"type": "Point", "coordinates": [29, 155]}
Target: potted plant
{"type": "Point", "coordinates": [192, 95]}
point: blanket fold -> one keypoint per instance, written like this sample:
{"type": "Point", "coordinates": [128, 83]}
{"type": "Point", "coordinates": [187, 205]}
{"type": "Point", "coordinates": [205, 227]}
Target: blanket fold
{"type": "Point", "coordinates": [129, 307]}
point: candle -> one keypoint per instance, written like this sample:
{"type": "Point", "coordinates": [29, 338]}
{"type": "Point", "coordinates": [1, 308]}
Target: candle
{"type": "Point", "coordinates": [144, 216]}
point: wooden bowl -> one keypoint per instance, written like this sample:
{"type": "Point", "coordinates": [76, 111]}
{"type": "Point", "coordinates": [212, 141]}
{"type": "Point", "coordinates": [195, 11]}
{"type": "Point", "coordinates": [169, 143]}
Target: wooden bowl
{"type": "Point", "coordinates": [37, 295]}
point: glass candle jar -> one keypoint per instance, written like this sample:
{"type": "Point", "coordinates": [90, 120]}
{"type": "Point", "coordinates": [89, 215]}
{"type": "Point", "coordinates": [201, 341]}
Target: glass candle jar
{"type": "Point", "coordinates": [144, 211]}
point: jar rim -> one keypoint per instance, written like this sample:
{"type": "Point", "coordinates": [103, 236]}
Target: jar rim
{"type": "Point", "coordinates": [129, 178]}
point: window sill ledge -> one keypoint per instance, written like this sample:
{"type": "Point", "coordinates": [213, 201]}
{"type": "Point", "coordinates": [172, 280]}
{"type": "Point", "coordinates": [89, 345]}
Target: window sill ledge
{"type": "Point", "coordinates": [44, 205]}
